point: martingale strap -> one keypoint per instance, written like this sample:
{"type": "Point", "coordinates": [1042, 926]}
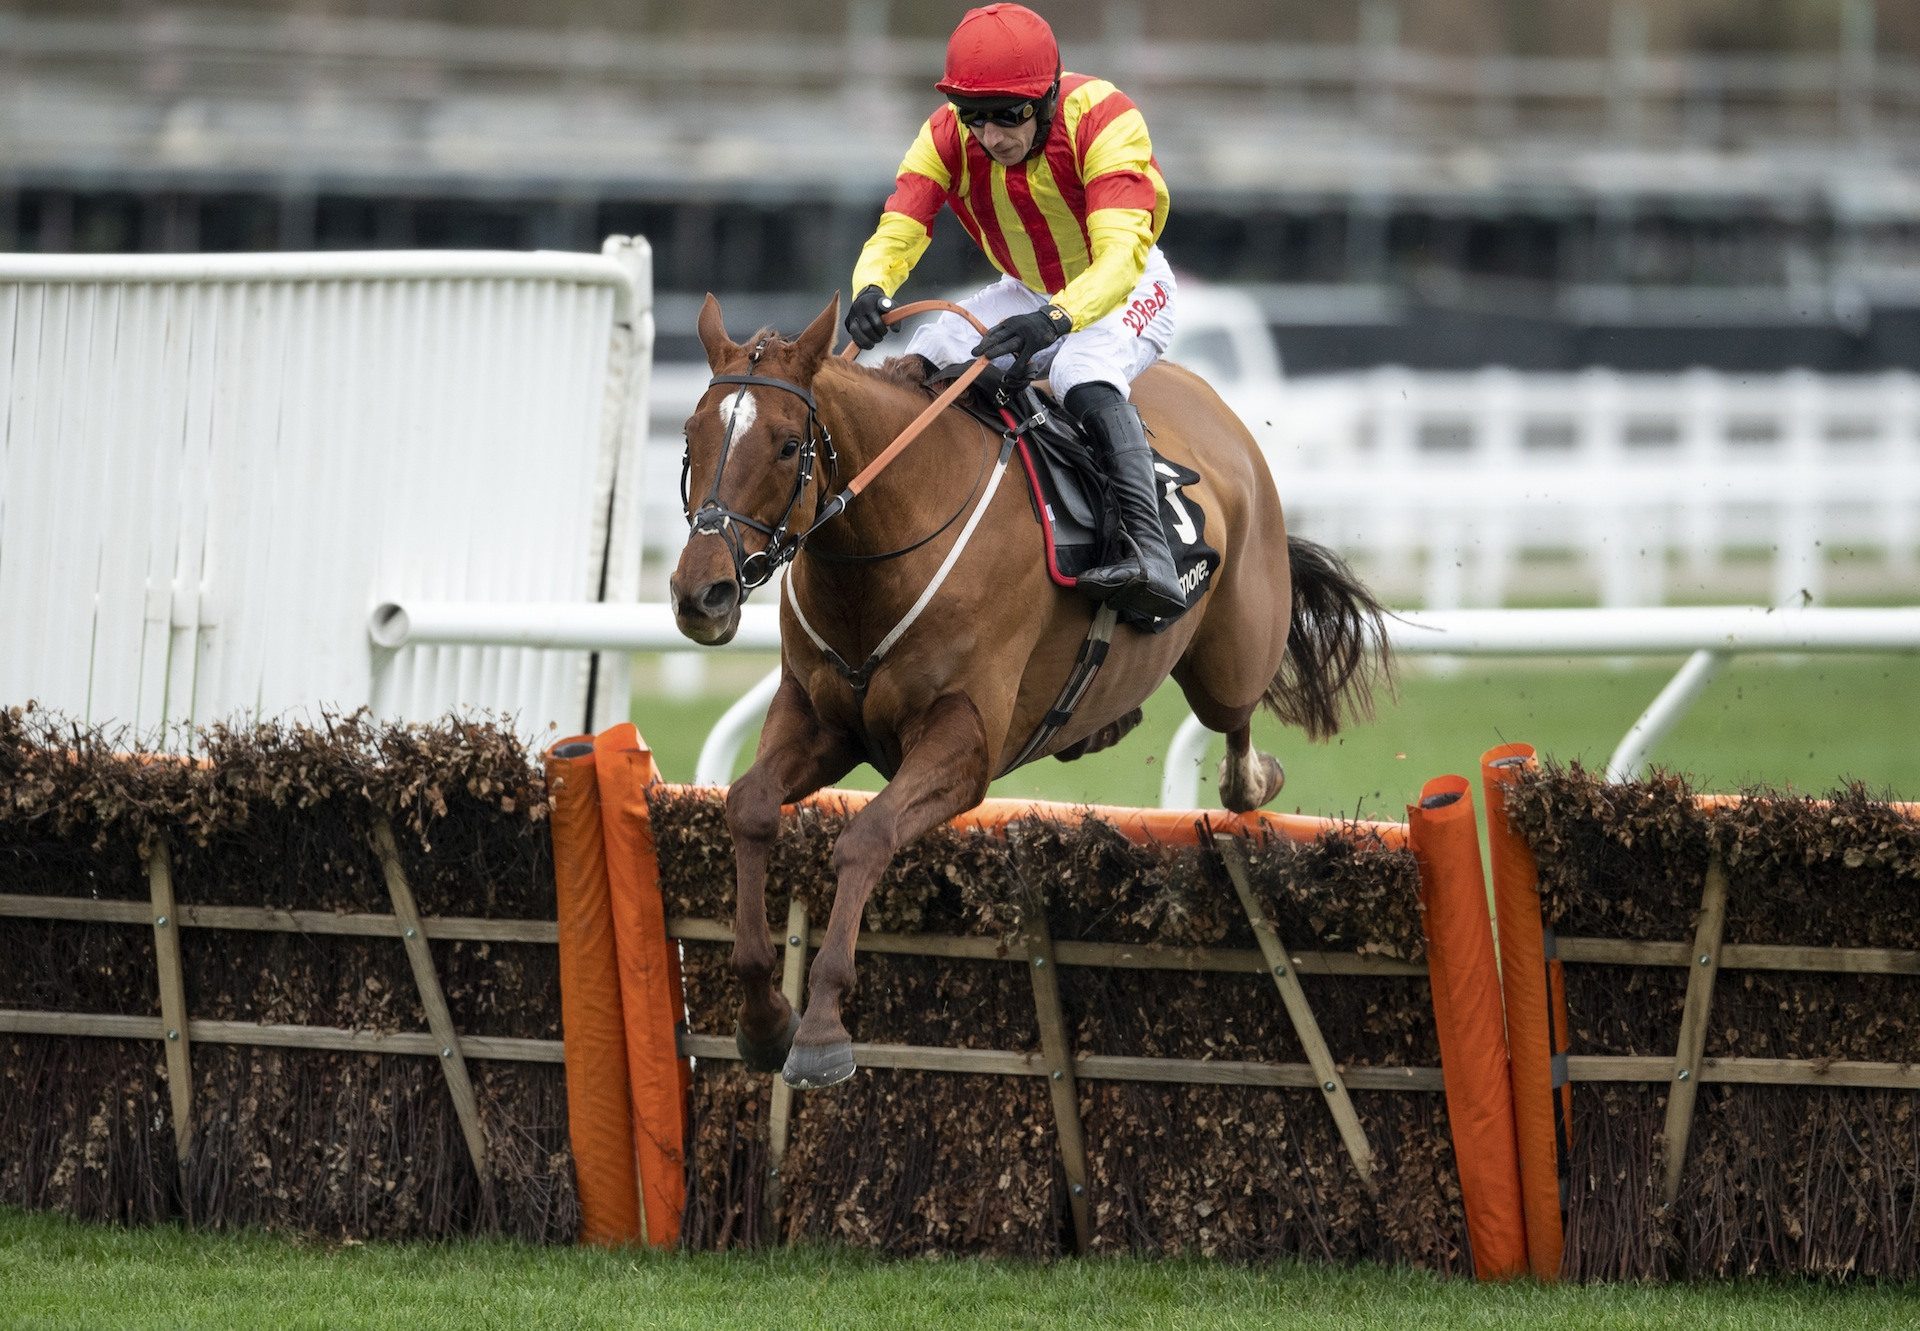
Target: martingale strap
{"type": "Point", "coordinates": [1093, 654]}
{"type": "Point", "coordinates": [861, 677]}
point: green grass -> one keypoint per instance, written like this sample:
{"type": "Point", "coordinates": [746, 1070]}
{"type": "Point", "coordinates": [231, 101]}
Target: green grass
{"type": "Point", "coordinates": [1808, 724]}
{"type": "Point", "coordinates": [57, 1273]}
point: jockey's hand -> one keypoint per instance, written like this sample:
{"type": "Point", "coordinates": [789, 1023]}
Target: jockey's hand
{"type": "Point", "coordinates": [866, 324]}
{"type": "Point", "coordinates": [1024, 336]}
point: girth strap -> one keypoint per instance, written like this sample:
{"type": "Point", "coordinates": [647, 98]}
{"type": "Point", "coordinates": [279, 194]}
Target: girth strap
{"type": "Point", "coordinates": [1093, 654]}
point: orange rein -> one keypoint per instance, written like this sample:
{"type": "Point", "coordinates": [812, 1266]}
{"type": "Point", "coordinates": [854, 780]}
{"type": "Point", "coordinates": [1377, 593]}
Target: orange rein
{"type": "Point", "coordinates": [938, 405]}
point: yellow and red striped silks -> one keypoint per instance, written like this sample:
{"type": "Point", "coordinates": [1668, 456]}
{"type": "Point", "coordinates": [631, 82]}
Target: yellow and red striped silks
{"type": "Point", "coordinates": [1074, 222]}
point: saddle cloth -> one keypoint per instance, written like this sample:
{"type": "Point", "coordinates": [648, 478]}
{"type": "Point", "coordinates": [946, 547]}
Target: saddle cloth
{"type": "Point", "coordinates": [1069, 490]}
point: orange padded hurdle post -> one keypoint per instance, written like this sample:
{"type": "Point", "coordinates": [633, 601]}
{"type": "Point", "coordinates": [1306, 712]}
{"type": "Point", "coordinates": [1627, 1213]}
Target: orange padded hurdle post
{"type": "Point", "coordinates": [649, 987]}
{"type": "Point", "coordinates": [1467, 1013]}
{"type": "Point", "coordinates": [1530, 1017]}
{"type": "Point", "coordinates": [599, 1113]}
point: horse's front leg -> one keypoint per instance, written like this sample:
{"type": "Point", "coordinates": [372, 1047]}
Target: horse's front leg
{"type": "Point", "coordinates": [795, 758]}
{"type": "Point", "coordinates": [943, 772]}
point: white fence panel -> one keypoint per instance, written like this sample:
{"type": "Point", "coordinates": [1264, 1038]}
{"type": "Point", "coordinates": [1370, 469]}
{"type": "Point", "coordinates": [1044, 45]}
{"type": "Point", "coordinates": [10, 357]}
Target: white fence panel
{"type": "Point", "coordinates": [212, 467]}
{"type": "Point", "coordinates": [1471, 472]}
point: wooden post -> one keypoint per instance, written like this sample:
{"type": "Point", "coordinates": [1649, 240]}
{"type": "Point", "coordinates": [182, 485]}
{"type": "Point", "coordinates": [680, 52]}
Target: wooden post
{"type": "Point", "coordinates": [793, 978]}
{"type": "Point", "coordinates": [1705, 968]}
{"type": "Point", "coordinates": [1057, 1054]}
{"type": "Point", "coordinates": [173, 993]}
{"type": "Point", "coordinates": [439, 1019]}
{"type": "Point", "coordinates": [1287, 981]}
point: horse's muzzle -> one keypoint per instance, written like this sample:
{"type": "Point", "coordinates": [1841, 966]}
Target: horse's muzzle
{"type": "Point", "coordinates": [711, 615]}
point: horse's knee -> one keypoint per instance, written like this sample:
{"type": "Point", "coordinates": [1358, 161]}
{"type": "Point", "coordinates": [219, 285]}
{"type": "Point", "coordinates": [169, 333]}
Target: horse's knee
{"type": "Point", "coordinates": [753, 814]}
{"type": "Point", "coordinates": [865, 844]}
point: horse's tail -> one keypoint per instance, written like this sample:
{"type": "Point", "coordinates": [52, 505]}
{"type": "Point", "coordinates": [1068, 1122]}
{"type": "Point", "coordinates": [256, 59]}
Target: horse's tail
{"type": "Point", "coordinates": [1336, 645]}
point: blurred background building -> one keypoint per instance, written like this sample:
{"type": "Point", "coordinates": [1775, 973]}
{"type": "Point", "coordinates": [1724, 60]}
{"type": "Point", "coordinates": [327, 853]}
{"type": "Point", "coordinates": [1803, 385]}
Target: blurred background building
{"type": "Point", "coordinates": [1631, 254]}
{"type": "Point", "coordinates": [1534, 183]}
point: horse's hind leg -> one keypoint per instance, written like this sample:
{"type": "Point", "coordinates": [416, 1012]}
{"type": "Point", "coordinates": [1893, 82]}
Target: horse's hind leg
{"type": "Point", "coordinates": [1248, 777]}
{"type": "Point", "coordinates": [1228, 668]}
{"type": "Point", "coordinates": [942, 772]}
{"type": "Point", "coordinates": [795, 758]}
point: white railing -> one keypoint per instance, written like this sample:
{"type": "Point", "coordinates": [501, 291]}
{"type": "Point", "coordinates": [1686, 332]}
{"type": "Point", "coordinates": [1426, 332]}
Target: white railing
{"type": "Point", "coordinates": [1710, 635]}
{"type": "Point", "coordinates": [211, 466]}
{"type": "Point", "coordinates": [1452, 488]}
{"type": "Point", "coordinates": [1468, 472]}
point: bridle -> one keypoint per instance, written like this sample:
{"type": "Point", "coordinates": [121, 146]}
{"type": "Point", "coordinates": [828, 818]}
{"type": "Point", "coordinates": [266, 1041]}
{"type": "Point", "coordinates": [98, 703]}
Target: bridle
{"type": "Point", "coordinates": [753, 569]}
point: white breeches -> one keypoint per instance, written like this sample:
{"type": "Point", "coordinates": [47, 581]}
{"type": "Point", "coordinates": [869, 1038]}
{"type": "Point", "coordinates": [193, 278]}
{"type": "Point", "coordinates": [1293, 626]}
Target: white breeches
{"type": "Point", "coordinates": [1113, 351]}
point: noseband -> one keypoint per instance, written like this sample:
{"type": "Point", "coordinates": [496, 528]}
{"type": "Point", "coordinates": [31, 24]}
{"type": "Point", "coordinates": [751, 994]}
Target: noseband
{"type": "Point", "coordinates": [714, 518]}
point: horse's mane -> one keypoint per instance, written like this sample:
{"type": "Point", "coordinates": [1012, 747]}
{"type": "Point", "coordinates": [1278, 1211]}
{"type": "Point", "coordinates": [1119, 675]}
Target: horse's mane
{"type": "Point", "coordinates": [896, 372]}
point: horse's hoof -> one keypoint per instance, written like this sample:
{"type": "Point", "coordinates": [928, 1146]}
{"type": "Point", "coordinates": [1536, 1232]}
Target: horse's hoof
{"type": "Point", "coordinates": [1247, 786]}
{"type": "Point", "coordinates": [1275, 777]}
{"type": "Point", "coordinates": [812, 1067]}
{"type": "Point", "coordinates": [770, 1056]}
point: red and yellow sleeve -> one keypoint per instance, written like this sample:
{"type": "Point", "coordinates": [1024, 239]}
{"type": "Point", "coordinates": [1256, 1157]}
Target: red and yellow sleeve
{"type": "Point", "coordinates": [1126, 205]}
{"type": "Point", "coordinates": [906, 223]}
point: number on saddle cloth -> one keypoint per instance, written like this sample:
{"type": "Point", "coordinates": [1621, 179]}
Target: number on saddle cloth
{"type": "Point", "coordinates": [1072, 501]}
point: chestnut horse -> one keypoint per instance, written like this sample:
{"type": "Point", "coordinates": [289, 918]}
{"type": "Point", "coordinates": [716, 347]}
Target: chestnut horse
{"type": "Point", "coordinates": [959, 694]}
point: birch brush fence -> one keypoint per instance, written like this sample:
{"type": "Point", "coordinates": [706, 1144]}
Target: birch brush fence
{"type": "Point", "coordinates": [366, 981]}
{"type": "Point", "coordinates": [306, 982]}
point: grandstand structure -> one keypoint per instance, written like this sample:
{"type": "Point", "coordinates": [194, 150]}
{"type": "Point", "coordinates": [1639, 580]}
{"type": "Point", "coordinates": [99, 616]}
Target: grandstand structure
{"type": "Point", "coordinates": [1399, 192]}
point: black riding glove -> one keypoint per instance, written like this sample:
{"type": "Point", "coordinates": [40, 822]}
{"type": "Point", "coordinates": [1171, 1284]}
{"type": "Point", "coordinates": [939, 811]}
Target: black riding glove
{"type": "Point", "coordinates": [1025, 335]}
{"type": "Point", "coordinates": [866, 323]}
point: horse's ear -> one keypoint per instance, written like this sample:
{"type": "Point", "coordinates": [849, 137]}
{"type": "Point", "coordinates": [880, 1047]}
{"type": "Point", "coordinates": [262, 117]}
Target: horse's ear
{"type": "Point", "coordinates": [713, 333]}
{"type": "Point", "coordinates": [817, 341]}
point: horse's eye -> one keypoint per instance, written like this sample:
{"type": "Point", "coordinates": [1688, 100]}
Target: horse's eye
{"type": "Point", "coordinates": [791, 447]}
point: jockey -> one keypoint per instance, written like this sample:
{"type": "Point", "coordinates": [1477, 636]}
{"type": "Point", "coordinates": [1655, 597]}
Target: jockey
{"type": "Point", "coordinates": [1053, 176]}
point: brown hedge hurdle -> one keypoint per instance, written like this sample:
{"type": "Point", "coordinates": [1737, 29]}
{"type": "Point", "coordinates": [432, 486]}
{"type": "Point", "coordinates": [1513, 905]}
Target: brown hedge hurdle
{"type": "Point", "coordinates": [306, 981]}
{"type": "Point", "coordinates": [1103, 1031]}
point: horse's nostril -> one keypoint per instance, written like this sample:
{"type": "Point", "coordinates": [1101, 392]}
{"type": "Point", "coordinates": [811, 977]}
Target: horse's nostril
{"type": "Point", "coordinates": [718, 598]}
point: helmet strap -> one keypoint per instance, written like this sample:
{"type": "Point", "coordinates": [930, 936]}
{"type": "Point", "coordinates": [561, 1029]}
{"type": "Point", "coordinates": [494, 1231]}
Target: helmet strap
{"type": "Point", "coordinates": [1043, 115]}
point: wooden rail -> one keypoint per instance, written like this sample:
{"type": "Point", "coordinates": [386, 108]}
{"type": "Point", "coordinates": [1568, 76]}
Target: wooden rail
{"type": "Point", "coordinates": [112, 1026]}
{"type": "Point", "coordinates": [268, 920]}
{"type": "Point", "coordinates": [179, 1033]}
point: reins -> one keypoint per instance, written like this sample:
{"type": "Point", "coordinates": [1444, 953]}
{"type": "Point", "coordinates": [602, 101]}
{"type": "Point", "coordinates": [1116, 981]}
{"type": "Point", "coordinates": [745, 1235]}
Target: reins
{"type": "Point", "coordinates": [925, 418]}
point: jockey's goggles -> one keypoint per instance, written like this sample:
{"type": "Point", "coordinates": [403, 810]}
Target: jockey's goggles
{"type": "Point", "coordinates": [973, 114]}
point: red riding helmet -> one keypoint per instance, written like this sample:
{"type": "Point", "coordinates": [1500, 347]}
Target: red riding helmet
{"type": "Point", "coordinates": [1001, 51]}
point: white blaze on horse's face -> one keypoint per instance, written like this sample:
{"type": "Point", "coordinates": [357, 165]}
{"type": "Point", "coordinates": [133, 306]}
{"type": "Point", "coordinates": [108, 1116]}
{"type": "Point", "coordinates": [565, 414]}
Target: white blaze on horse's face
{"type": "Point", "coordinates": [739, 412]}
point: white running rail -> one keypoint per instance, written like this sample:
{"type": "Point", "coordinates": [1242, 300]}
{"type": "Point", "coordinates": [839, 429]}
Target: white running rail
{"type": "Point", "coordinates": [211, 466]}
{"type": "Point", "coordinates": [1710, 635]}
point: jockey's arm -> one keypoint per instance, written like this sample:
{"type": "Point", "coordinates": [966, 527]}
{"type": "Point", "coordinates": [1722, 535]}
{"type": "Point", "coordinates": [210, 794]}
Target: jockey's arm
{"type": "Point", "coordinates": [1119, 173]}
{"type": "Point", "coordinates": [906, 223]}
{"type": "Point", "coordinates": [1121, 239]}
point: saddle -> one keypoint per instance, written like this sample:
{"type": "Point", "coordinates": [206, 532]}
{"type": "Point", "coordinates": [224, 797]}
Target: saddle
{"type": "Point", "coordinates": [1067, 486]}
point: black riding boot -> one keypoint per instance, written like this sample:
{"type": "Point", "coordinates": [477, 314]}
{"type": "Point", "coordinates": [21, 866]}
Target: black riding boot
{"type": "Point", "coordinates": [1143, 581]}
